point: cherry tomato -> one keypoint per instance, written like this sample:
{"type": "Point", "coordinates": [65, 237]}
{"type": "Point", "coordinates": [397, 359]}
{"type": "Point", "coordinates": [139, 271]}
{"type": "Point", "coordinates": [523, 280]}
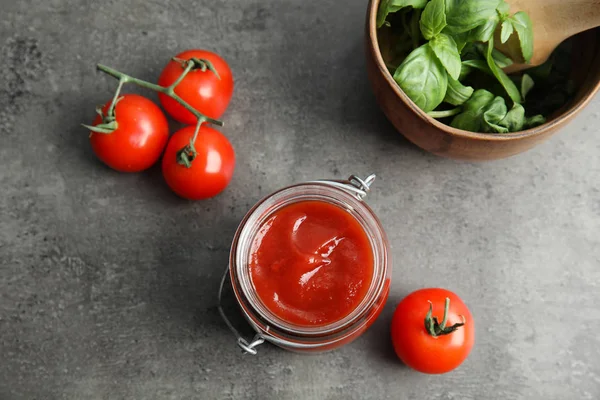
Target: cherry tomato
{"type": "Point", "coordinates": [140, 138]}
{"type": "Point", "coordinates": [203, 90]}
{"type": "Point", "coordinates": [210, 171]}
{"type": "Point", "coordinates": [421, 339]}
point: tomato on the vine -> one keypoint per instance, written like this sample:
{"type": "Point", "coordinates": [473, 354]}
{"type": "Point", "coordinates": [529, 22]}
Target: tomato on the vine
{"type": "Point", "coordinates": [210, 166]}
{"type": "Point", "coordinates": [202, 89]}
{"type": "Point", "coordinates": [427, 343]}
{"type": "Point", "coordinates": [137, 135]}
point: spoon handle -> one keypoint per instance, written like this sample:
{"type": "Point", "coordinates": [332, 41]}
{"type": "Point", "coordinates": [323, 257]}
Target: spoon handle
{"type": "Point", "coordinates": [554, 21]}
{"type": "Point", "coordinates": [566, 18]}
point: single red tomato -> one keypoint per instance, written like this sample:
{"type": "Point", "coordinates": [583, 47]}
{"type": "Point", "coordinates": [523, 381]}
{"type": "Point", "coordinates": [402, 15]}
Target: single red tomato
{"type": "Point", "coordinates": [211, 169]}
{"type": "Point", "coordinates": [140, 136]}
{"type": "Point", "coordinates": [203, 90]}
{"type": "Point", "coordinates": [432, 331]}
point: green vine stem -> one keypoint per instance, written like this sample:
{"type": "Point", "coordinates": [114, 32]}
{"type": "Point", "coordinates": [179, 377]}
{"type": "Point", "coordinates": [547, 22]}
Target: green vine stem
{"type": "Point", "coordinates": [169, 91]}
{"type": "Point", "coordinates": [109, 123]}
{"type": "Point", "coordinates": [186, 155]}
{"type": "Point", "coordinates": [115, 100]}
{"type": "Point", "coordinates": [436, 329]}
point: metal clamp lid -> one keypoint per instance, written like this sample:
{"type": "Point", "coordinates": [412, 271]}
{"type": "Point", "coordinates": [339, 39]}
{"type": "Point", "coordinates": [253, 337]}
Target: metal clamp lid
{"type": "Point", "coordinates": [356, 186]}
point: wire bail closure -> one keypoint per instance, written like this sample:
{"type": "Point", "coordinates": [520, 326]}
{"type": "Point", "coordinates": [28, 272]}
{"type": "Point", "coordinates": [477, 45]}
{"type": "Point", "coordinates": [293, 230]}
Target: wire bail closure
{"type": "Point", "coordinates": [247, 347]}
{"type": "Point", "coordinates": [356, 186]}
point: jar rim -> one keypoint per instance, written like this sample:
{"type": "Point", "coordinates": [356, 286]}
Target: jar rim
{"type": "Point", "coordinates": [321, 191]}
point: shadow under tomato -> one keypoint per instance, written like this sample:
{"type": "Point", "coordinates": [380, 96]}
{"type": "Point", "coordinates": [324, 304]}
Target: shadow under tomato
{"type": "Point", "coordinates": [153, 186]}
{"type": "Point", "coordinates": [378, 338]}
{"type": "Point", "coordinates": [72, 140]}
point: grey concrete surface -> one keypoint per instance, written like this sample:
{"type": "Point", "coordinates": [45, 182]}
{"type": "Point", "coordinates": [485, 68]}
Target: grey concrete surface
{"type": "Point", "coordinates": [108, 282]}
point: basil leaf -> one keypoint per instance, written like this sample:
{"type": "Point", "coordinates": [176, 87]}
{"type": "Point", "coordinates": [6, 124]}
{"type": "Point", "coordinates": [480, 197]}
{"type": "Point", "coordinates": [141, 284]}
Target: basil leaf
{"type": "Point", "coordinates": [514, 119]}
{"type": "Point", "coordinates": [433, 19]}
{"type": "Point", "coordinates": [503, 9]}
{"type": "Point", "coordinates": [480, 99]}
{"type": "Point", "coordinates": [507, 30]}
{"type": "Point", "coordinates": [383, 11]}
{"type": "Point", "coordinates": [467, 122]}
{"type": "Point", "coordinates": [465, 70]}
{"type": "Point", "coordinates": [391, 6]}
{"type": "Point", "coordinates": [464, 15]}
{"type": "Point", "coordinates": [445, 49]}
{"type": "Point", "coordinates": [527, 84]}
{"type": "Point", "coordinates": [493, 114]}
{"type": "Point", "coordinates": [534, 121]}
{"type": "Point", "coordinates": [478, 64]}
{"type": "Point", "coordinates": [423, 78]}
{"type": "Point", "coordinates": [507, 83]}
{"type": "Point", "coordinates": [522, 24]}
{"type": "Point", "coordinates": [461, 40]}
{"type": "Point", "coordinates": [484, 32]}
{"type": "Point", "coordinates": [501, 60]}
{"type": "Point", "coordinates": [457, 94]}
{"type": "Point", "coordinates": [471, 119]}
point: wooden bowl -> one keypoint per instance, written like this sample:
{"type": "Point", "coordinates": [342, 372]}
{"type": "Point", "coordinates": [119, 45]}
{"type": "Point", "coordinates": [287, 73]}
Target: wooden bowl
{"type": "Point", "coordinates": [443, 140]}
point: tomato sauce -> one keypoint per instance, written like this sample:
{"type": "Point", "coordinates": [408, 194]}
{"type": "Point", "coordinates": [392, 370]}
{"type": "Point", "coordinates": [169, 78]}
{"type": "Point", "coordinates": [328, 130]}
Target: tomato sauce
{"type": "Point", "coordinates": [311, 263]}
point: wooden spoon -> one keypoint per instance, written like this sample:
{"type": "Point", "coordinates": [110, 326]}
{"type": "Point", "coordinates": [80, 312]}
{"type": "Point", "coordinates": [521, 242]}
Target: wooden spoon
{"type": "Point", "coordinates": [553, 22]}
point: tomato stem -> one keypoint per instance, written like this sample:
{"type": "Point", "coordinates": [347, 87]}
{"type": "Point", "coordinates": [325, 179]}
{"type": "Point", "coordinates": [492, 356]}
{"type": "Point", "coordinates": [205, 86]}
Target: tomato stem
{"type": "Point", "coordinates": [109, 122]}
{"type": "Point", "coordinates": [446, 309]}
{"type": "Point", "coordinates": [188, 68]}
{"type": "Point", "coordinates": [169, 91]}
{"type": "Point", "coordinates": [186, 155]}
{"type": "Point", "coordinates": [436, 329]}
{"type": "Point", "coordinates": [111, 110]}
{"type": "Point", "coordinates": [198, 63]}
{"type": "Point", "coordinates": [196, 132]}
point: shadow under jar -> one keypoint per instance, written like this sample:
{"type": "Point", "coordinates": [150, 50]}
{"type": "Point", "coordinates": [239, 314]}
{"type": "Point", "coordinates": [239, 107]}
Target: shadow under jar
{"type": "Point", "coordinates": [309, 266]}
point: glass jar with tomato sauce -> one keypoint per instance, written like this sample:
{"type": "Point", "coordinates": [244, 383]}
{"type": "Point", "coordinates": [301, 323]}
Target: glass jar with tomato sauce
{"type": "Point", "coordinates": [309, 266]}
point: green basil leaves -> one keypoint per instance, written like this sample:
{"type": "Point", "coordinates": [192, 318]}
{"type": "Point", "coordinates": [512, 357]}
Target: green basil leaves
{"type": "Point", "coordinates": [443, 58]}
{"type": "Point", "coordinates": [433, 19]}
{"type": "Point", "coordinates": [526, 85]}
{"type": "Point", "coordinates": [521, 47]}
{"type": "Point", "coordinates": [507, 30]}
{"type": "Point", "coordinates": [507, 83]}
{"type": "Point", "coordinates": [514, 119]}
{"type": "Point", "coordinates": [446, 51]}
{"type": "Point", "coordinates": [423, 78]}
{"type": "Point", "coordinates": [391, 6]}
{"type": "Point", "coordinates": [522, 24]}
{"type": "Point", "coordinates": [464, 15]}
{"type": "Point", "coordinates": [457, 94]}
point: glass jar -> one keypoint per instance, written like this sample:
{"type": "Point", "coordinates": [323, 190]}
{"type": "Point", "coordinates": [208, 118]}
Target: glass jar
{"type": "Point", "coordinates": [348, 195]}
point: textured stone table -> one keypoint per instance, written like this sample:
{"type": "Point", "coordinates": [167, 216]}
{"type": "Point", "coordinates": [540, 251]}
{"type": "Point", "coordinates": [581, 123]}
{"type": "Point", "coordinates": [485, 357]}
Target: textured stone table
{"type": "Point", "coordinates": [108, 282]}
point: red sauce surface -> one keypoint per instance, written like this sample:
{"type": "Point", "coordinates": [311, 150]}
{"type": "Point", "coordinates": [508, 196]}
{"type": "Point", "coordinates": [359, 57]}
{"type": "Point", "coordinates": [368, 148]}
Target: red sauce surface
{"type": "Point", "coordinates": [311, 263]}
